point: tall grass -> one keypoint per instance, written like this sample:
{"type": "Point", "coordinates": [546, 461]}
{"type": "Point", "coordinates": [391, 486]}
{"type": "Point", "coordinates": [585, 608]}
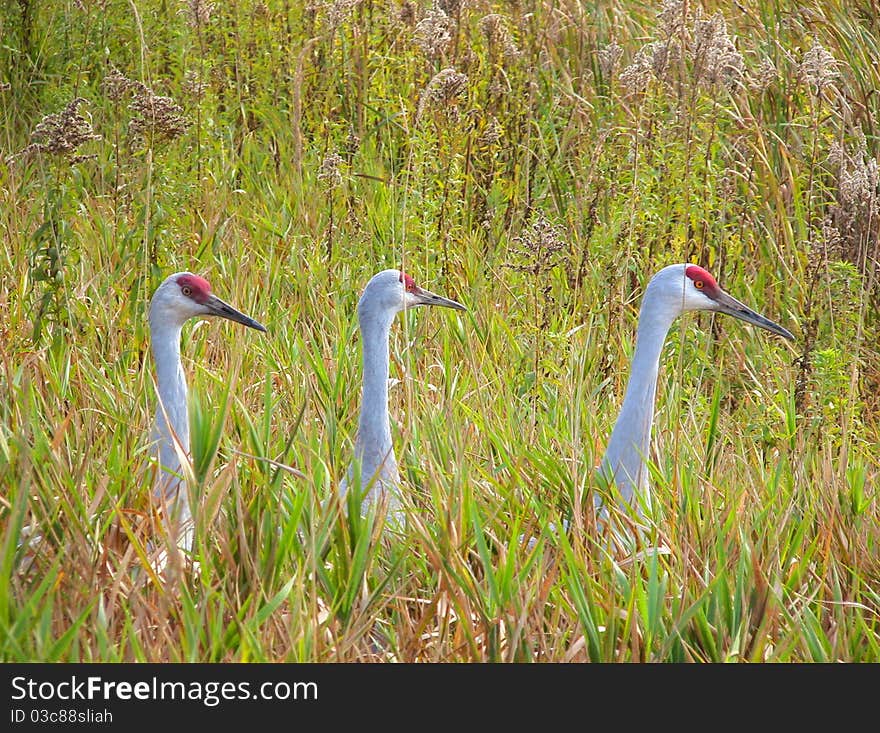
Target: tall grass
{"type": "Point", "coordinates": [539, 166]}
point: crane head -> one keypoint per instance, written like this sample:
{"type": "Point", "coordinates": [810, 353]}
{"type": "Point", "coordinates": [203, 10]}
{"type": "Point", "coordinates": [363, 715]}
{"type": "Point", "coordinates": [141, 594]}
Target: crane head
{"type": "Point", "coordinates": [394, 291]}
{"type": "Point", "coordinates": [183, 296]}
{"type": "Point", "coordinates": [690, 287]}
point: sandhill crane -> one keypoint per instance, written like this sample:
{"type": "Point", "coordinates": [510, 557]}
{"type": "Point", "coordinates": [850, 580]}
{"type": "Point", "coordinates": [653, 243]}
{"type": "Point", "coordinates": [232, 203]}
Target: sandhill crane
{"type": "Point", "coordinates": [387, 293]}
{"type": "Point", "coordinates": [180, 297]}
{"type": "Point", "coordinates": [672, 291]}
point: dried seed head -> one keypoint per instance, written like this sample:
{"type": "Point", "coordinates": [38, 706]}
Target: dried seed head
{"type": "Point", "coordinates": [494, 28]}
{"type": "Point", "coordinates": [819, 67]}
{"type": "Point", "coordinates": [829, 245]}
{"type": "Point", "coordinates": [715, 55]}
{"type": "Point", "coordinates": [857, 207]}
{"type": "Point", "coordinates": [100, 5]}
{"type": "Point", "coordinates": [406, 13]}
{"type": "Point", "coordinates": [837, 156]}
{"type": "Point", "coordinates": [727, 183]}
{"type": "Point", "coordinates": [492, 132]}
{"type": "Point", "coordinates": [339, 11]}
{"type": "Point", "coordinates": [673, 17]}
{"type": "Point", "coordinates": [635, 77]}
{"type": "Point", "coordinates": [498, 87]}
{"type": "Point", "coordinates": [764, 77]}
{"type": "Point", "coordinates": [859, 185]}
{"type": "Point", "coordinates": [539, 247]}
{"type": "Point", "coordinates": [433, 33]}
{"type": "Point", "coordinates": [329, 173]}
{"type": "Point", "coordinates": [198, 13]}
{"type": "Point", "coordinates": [117, 85]}
{"type": "Point", "coordinates": [704, 29]}
{"type": "Point", "coordinates": [609, 59]}
{"type": "Point", "coordinates": [488, 218]}
{"type": "Point", "coordinates": [352, 144]}
{"type": "Point", "coordinates": [452, 7]}
{"type": "Point", "coordinates": [156, 118]}
{"type": "Point", "coordinates": [663, 54]}
{"type": "Point", "coordinates": [859, 177]}
{"type": "Point", "coordinates": [445, 90]}
{"type": "Point", "coordinates": [61, 134]}
{"type": "Point", "coordinates": [193, 87]}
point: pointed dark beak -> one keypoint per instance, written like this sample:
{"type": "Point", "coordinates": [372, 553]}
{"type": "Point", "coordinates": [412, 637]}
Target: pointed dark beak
{"type": "Point", "coordinates": [426, 297]}
{"type": "Point", "coordinates": [224, 310]}
{"type": "Point", "coordinates": [725, 303]}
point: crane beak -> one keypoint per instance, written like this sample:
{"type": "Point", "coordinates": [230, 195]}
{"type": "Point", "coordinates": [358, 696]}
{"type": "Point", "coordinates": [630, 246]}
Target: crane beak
{"type": "Point", "coordinates": [426, 297]}
{"type": "Point", "coordinates": [217, 307]}
{"type": "Point", "coordinates": [725, 303]}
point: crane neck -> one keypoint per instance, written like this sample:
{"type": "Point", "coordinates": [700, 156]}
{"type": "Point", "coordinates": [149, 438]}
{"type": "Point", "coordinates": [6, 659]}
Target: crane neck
{"type": "Point", "coordinates": [373, 446]}
{"type": "Point", "coordinates": [630, 443]}
{"type": "Point", "coordinates": [172, 417]}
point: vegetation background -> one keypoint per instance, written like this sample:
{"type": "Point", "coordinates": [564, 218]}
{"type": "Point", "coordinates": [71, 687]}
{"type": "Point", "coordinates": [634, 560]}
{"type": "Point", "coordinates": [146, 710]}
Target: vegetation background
{"type": "Point", "coordinates": [538, 160]}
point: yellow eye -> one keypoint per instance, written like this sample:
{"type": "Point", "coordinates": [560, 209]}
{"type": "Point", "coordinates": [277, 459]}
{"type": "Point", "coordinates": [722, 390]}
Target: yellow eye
{"type": "Point", "coordinates": [186, 290]}
{"type": "Point", "coordinates": [698, 284]}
